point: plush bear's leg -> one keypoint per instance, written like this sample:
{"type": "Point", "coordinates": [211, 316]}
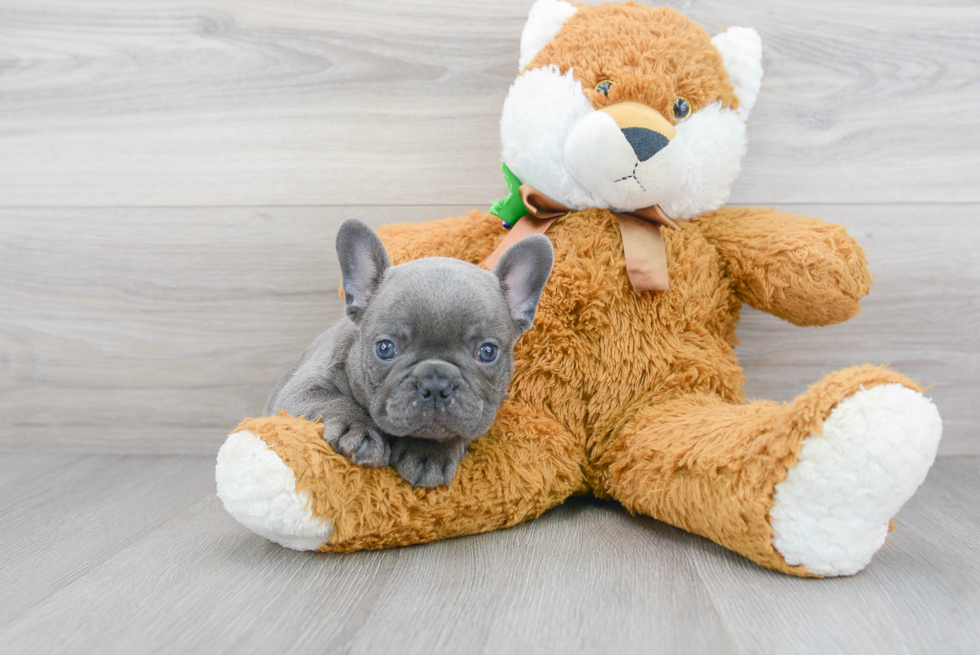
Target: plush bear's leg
{"type": "Point", "coordinates": [280, 479]}
{"type": "Point", "coordinates": [807, 487]}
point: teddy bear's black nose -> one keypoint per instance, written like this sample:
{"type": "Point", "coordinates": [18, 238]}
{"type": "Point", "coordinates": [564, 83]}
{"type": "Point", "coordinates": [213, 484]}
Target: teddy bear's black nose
{"type": "Point", "coordinates": [645, 143]}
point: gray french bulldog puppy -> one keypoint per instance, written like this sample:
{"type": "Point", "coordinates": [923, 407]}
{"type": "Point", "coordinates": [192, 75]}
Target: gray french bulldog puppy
{"type": "Point", "coordinates": [421, 363]}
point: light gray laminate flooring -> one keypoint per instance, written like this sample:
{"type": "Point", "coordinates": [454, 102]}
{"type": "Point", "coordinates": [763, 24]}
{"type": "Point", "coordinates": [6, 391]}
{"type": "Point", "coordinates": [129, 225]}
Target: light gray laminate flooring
{"type": "Point", "coordinates": [134, 554]}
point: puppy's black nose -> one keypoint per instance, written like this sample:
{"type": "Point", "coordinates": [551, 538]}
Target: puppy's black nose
{"type": "Point", "coordinates": [436, 382]}
{"type": "Point", "coordinates": [645, 143]}
{"type": "Point", "coordinates": [435, 388]}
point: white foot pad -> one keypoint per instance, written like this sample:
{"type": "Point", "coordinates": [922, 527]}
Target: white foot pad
{"type": "Point", "coordinates": [832, 511]}
{"type": "Point", "coordinates": [259, 490]}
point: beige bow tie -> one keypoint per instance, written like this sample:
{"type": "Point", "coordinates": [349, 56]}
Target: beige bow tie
{"type": "Point", "coordinates": [643, 245]}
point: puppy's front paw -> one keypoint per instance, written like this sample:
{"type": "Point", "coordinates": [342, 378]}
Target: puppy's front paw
{"type": "Point", "coordinates": [359, 440]}
{"type": "Point", "coordinates": [426, 463]}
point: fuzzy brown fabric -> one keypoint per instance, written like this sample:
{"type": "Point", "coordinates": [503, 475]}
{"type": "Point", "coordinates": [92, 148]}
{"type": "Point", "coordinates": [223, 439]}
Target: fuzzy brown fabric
{"type": "Point", "coordinates": [630, 395]}
{"type": "Point", "coordinates": [522, 467]}
{"type": "Point", "coordinates": [652, 56]}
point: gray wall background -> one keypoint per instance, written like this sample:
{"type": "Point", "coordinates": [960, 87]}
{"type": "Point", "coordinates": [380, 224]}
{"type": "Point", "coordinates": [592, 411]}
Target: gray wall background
{"type": "Point", "coordinates": [172, 176]}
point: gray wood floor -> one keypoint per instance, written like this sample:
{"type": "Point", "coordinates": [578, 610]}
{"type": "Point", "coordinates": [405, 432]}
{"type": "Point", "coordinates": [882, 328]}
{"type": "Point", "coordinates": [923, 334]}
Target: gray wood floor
{"type": "Point", "coordinates": [133, 554]}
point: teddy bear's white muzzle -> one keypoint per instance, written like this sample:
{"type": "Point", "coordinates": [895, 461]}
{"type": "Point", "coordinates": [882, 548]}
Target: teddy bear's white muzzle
{"type": "Point", "coordinates": [629, 168]}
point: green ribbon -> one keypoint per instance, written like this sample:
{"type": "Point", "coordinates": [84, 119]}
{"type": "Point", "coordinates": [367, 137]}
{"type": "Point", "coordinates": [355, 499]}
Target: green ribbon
{"type": "Point", "coordinates": [510, 209]}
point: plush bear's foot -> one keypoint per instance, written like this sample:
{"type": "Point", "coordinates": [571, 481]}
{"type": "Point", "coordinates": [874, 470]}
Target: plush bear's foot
{"type": "Point", "coordinates": [831, 513]}
{"type": "Point", "coordinates": [259, 490]}
{"type": "Point", "coordinates": [279, 478]}
{"type": "Point", "coordinates": [807, 487]}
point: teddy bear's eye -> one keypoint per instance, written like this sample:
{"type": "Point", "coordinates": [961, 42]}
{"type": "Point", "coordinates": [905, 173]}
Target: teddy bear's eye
{"type": "Point", "coordinates": [682, 109]}
{"type": "Point", "coordinates": [603, 87]}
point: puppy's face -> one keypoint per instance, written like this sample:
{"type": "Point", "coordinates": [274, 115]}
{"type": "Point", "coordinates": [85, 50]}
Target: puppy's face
{"type": "Point", "coordinates": [435, 351]}
{"type": "Point", "coordinates": [435, 347]}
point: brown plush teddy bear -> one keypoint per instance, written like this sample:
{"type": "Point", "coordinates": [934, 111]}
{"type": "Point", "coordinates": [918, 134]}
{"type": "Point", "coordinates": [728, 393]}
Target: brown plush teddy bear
{"type": "Point", "coordinates": [621, 138]}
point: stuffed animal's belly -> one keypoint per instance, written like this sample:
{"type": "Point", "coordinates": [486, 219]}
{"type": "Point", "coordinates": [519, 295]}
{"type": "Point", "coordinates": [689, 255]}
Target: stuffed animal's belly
{"type": "Point", "coordinates": [598, 347]}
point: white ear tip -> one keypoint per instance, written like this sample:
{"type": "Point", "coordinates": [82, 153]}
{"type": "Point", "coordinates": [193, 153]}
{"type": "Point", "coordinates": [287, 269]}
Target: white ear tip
{"type": "Point", "coordinates": [544, 21]}
{"type": "Point", "coordinates": [741, 50]}
{"type": "Point", "coordinates": [744, 35]}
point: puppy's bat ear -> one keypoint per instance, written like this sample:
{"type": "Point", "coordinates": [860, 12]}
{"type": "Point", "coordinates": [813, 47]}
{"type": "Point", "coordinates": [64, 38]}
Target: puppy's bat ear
{"type": "Point", "coordinates": [363, 261]}
{"type": "Point", "coordinates": [523, 270]}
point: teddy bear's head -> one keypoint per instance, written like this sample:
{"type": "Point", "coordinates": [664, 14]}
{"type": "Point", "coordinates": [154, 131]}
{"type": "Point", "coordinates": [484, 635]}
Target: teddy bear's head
{"type": "Point", "coordinates": [623, 106]}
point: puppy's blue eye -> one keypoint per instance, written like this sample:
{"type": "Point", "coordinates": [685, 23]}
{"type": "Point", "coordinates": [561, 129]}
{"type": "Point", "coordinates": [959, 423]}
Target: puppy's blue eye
{"type": "Point", "coordinates": [385, 349]}
{"type": "Point", "coordinates": [488, 353]}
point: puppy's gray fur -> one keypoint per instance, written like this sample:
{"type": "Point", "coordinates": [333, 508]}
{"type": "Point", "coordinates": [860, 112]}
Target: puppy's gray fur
{"type": "Point", "coordinates": [420, 410]}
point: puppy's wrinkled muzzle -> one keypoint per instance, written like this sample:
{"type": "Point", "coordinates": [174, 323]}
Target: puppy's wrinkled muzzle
{"type": "Point", "coordinates": [436, 383]}
{"type": "Point", "coordinates": [435, 402]}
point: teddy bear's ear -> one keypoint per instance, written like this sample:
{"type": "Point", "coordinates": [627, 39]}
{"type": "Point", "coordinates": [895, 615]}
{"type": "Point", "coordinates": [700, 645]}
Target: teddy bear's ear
{"type": "Point", "coordinates": [741, 50]}
{"type": "Point", "coordinates": [543, 22]}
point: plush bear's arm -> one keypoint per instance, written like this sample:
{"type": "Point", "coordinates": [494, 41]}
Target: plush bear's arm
{"type": "Point", "coordinates": [795, 267]}
{"type": "Point", "coordinates": [471, 238]}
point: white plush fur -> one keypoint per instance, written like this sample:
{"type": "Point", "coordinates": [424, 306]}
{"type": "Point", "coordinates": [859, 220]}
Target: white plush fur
{"type": "Point", "coordinates": [259, 490]}
{"type": "Point", "coordinates": [544, 107]}
{"type": "Point", "coordinates": [741, 50]}
{"type": "Point", "coordinates": [832, 511]}
{"type": "Point", "coordinates": [602, 160]}
{"type": "Point", "coordinates": [543, 22]}
{"type": "Point", "coordinates": [541, 109]}
{"type": "Point", "coordinates": [715, 138]}
{"type": "Point", "coordinates": [595, 168]}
